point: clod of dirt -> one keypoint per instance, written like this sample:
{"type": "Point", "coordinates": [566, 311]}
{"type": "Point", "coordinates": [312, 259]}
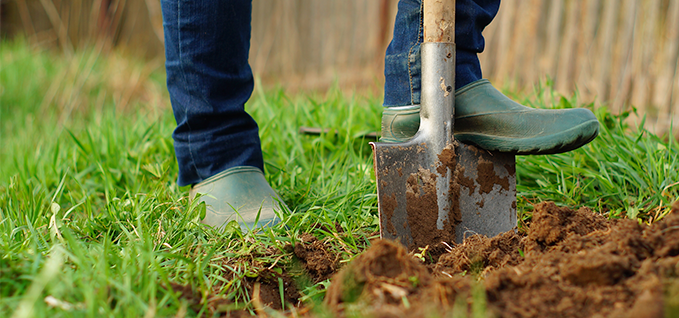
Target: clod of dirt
{"type": "Point", "coordinates": [570, 263]}
{"type": "Point", "coordinates": [551, 224]}
{"type": "Point", "coordinates": [479, 253]}
{"type": "Point", "coordinates": [423, 210]}
{"type": "Point", "coordinates": [264, 291]}
{"type": "Point", "coordinates": [579, 264]}
{"type": "Point", "coordinates": [316, 258]}
{"type": "Point", "coordinates": [381, 275]}
{"type": "Point", "coordinates": [488, 179]}
{"type": "Point", "coordinates": [385, 281]}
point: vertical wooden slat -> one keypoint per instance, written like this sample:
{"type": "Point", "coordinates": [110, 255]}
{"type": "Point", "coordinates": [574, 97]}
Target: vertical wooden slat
{"type": "Point", "coordinates": [156, 18]}
{"type": "Point", "coordinates": [584, 78]}
{"type": "Point", "coordinates": [605, 38]}
{"type": "Point", "coordinates": [566, 59]}
{"type": "Point", "coordinates": [530, 73]}
{"type": "Point", "coordinates": [504, 45]}
{"type": "Point", "coordinates": [673, 108]}
{"type": "Point", "coordinates": [647, 45]}
{"type": "Point", "coordinates": [617, 51]}
{"type": "Point", "coordinates": [626, 48]}
{"type": "Point", "coordinates": [663, 94]}
{"type": "Point", "coordinates": [548, 60]}
{"type": "Point", "coordinates": [523, 42]}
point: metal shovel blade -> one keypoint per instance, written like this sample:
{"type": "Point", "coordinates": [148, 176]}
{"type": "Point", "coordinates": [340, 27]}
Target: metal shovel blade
{"type": "Point", "coordinates": [469, 191]}
{"type": "Point", "coordinates": [432, 189]}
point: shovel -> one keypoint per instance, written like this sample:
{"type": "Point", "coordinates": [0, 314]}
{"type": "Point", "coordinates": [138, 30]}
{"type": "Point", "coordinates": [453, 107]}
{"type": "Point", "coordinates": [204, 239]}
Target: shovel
{"type": "Point", "coordinates": [431, 188]}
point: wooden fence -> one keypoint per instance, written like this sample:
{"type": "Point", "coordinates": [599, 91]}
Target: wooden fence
{"type": "Point", "coordinates": [618, 52]}
{"type": "Point", "coordinates": [311, 43]}
{"type": "Point", "coordinates": [134, 25]}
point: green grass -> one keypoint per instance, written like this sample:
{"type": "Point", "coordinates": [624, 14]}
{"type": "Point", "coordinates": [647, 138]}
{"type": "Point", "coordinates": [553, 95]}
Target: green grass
{"type": "Point", "coordinates": [92, 222]}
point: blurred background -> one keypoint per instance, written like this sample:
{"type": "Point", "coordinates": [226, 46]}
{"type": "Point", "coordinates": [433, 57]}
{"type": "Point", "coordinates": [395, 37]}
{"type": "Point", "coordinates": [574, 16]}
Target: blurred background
{"type": "Point", "coordinates": [616, 53]}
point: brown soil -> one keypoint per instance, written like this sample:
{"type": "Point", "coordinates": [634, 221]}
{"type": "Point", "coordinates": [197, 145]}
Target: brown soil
{"type": "Point", "coordinates": [568, 264]}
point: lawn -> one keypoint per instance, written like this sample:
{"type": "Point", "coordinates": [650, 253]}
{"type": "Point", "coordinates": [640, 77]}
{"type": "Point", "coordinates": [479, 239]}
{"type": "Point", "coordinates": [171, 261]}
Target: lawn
{"type": "Point", "coordinates": [92, 222]}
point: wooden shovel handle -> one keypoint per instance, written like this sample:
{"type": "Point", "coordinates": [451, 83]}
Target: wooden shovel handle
{"type": "Point", "coordinates": [439, 21]}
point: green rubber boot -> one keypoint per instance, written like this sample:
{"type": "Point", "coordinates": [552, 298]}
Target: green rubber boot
{"type": "Point", "coordinates": [487, 118]}
{"type": "Point", "coordinates": [241, 194]}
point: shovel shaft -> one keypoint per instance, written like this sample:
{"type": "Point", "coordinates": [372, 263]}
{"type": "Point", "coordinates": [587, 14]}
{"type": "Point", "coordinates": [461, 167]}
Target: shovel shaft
{"type": "Point", "coordinates": [438, 71]}
{"type": "Point", "coordinates": [439, 21]}
{"type": "Point", "coordinates": [436, 117]}
{"type": "Point", "coordinates": [438, 92]}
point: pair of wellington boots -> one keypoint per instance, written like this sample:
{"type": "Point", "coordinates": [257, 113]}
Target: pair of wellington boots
{"type": "Point", "coordinates": [483, 117]}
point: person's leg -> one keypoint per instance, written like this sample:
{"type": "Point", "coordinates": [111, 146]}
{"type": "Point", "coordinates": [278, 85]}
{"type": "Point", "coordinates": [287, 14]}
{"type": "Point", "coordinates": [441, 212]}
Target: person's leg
{"type": "Point", "coordinates": [483, 116]}
{"type": "Point", "coordinates": [209, 81]}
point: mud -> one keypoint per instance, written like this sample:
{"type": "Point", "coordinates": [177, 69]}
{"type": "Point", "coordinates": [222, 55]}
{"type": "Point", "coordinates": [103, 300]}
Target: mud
{"type": "Point", "coordinates": [389, 204]}
{"type": "Point", "coordinates": [447, 160]}
{"type": "Point", "coordinates": [569, 263]}
{"type": "Point", "coordinates": [488, 178]}
{"type": "Point", "coordinates": [423, 211]}
{"type": "Point", "coordinates": [265, 290]}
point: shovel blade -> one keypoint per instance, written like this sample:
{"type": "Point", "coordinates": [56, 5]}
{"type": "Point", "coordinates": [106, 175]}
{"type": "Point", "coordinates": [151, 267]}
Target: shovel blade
{"type": "Point", "coordinates": [426, 197]}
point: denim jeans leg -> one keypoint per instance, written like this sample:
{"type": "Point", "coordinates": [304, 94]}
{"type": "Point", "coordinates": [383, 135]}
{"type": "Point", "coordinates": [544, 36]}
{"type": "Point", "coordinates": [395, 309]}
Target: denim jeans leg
{"type": "Point", "coordinates": [402, 62]}
{"type": "Point", "coordinates": [209, 80]}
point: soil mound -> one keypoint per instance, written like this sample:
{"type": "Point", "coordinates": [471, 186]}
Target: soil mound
{"type": "Point", "coordinates": [385, 281]}
{"type": "Point", "coordinates": [570, 263]}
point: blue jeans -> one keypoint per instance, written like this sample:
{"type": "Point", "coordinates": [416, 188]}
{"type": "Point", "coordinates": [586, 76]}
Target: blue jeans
{"type": "Point", "coordinates": [209, 78]}
{"type": "Point", "coordinates": [209, 81]}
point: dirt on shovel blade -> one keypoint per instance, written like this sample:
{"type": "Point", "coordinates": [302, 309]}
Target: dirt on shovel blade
{"type": "Point", "coordinates": [570, 263]}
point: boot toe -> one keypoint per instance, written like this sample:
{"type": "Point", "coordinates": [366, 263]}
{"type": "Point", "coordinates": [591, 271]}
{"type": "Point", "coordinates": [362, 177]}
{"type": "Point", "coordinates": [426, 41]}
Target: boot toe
{"type": "Point", "coordinates": [241, 194]}
{"type": "Point", "coordinates": [538, 138]}
{"type": "Point", "coordinates": [487, 118]}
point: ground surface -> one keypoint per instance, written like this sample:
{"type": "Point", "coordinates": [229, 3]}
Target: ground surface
{"type": "Point", "coordinates": [93, 224]}
{"type": "Point", "coordinates": [568, 263]}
